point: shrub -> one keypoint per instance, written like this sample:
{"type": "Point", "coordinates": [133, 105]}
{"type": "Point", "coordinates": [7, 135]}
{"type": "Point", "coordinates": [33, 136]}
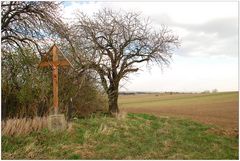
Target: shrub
{"type": "Point", "coordinates": [27, 90]}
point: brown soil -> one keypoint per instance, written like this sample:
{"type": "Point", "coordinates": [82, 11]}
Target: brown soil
{"type": "Point", "coordinates": [224, 114]}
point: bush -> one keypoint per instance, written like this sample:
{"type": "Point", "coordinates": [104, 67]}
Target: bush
{"type": "Point", "coordinates": [27, 89]}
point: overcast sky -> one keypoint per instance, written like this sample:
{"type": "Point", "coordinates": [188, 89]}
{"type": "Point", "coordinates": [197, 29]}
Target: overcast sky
{"type": "Point", "coordinates": [208, 56]}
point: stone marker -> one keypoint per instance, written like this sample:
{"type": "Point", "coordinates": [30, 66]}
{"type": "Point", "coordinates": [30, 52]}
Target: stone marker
{"type": "Point", "coordinates": [57, 122]}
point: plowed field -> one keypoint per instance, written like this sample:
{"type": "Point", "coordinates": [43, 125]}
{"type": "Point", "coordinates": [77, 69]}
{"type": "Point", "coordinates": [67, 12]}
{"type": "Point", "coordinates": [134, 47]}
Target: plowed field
{"type": "Point", "coordinates": [219, 109]}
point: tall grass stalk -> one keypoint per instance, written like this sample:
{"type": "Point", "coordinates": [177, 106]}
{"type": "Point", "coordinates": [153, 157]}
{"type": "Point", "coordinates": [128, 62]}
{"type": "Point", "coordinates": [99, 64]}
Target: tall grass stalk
{"type": "Point", "coordinates": [23, 126]}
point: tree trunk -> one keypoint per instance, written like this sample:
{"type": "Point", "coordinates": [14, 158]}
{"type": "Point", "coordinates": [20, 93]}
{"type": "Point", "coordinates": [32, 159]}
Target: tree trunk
{"type": "Point", "coordinates": [113, 101]}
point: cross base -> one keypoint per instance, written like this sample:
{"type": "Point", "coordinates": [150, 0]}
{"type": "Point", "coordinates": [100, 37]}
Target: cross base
{"type": "Point", "coordinates": [57, 122]}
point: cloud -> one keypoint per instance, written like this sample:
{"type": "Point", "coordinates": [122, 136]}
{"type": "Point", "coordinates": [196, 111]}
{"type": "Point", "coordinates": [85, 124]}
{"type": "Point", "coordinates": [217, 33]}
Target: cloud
{"type": "Point", "coordinates": [220, 27]}
{"type": "Point", "coordinates": [224, 27]}
{"type": "Point", "coordinates": [203, 27]}
{"type": "Point", "coordinates": [215, 37]}
{"type": "Point", "coordinates": [72, 7]}
{"type": "Point", "coordinates": [218, 36]}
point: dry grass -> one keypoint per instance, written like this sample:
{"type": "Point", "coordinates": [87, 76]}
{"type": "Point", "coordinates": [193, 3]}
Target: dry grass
{"type": "Point", "coordinates": [121, 115]}
{"type": "Point", "coordinates": [70, 127]}
{"type": "Point", "coordinates": [23, 126]}
{"type": "Point", "coordinates": [107, 128]}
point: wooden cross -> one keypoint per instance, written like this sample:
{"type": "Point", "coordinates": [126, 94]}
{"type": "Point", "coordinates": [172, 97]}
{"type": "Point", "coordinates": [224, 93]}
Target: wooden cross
{"type": "Point", "coordinates": [54, 58]}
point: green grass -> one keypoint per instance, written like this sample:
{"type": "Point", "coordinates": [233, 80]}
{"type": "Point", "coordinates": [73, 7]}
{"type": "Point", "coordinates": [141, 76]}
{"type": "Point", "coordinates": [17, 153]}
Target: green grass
{"type": "Point", "coordinates": [138, 136]}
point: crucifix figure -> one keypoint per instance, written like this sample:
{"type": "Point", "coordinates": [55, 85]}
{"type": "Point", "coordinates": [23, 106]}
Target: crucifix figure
{"type": "Point", "coordinates": [54, 58]}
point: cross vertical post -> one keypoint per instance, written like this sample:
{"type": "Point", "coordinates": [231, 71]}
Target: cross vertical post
{"type": "Point", "coordinates": [55, 79]}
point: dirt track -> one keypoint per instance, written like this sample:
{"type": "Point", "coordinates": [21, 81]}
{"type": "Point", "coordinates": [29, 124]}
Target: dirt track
{"type": "Point", "coordinates": [223, 113]}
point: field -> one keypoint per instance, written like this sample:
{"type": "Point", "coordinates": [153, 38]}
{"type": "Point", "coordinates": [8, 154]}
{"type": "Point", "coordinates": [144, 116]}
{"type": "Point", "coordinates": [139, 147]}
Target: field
{"type": "Point", "coordinates": [132, 136]}
{"type": "Point", "coordinates": [219, 109]}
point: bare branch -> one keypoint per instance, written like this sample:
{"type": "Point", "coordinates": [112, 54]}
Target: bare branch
{"type": "Point", "coordinates": [29, 23]}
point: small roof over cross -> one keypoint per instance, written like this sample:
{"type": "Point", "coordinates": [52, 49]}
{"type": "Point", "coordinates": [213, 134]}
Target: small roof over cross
{"type": "Point", "coordinates": [54, 58]}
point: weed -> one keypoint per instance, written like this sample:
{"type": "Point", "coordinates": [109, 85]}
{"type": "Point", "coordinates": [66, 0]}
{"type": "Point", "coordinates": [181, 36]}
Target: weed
{"type": "Point", "coordinates": [74, 156]}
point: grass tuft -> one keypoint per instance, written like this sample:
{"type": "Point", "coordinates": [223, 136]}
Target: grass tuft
{"type": "Point", "coordinates": [23, 126]}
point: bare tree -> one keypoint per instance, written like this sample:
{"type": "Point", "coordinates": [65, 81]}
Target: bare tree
{"type": "Point", "coordinates": [26, 23]}
{"type": "Point", "coordinates": [113, 43]}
